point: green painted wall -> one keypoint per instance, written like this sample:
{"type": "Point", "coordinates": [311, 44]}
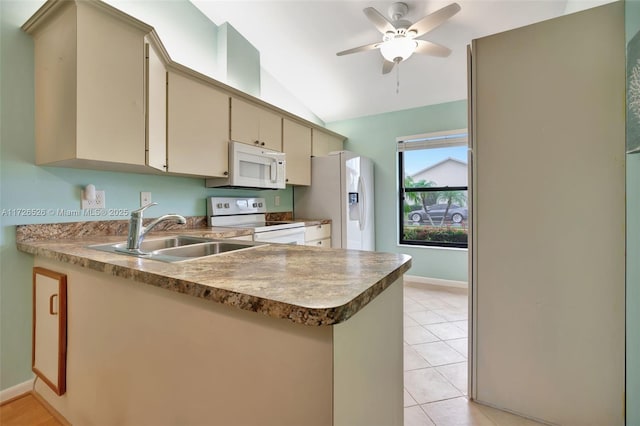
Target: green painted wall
{"type": "Point", "coordinates": [24, 185]}
{"type": "Point", "coordinates": [632, 26]}
{"type": "Point", "coordinates": [375, 137]}
{"type": "Point", "coordinates": [239, 61]}
{"type": "Point", "coordinates": [195, 48]}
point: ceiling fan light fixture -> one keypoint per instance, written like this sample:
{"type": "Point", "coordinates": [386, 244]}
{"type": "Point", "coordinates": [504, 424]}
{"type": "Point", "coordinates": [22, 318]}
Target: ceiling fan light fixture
{"type": "Point", "coordinates": [398, 49]}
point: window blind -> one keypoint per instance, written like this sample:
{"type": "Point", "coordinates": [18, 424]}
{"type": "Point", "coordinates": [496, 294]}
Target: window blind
{"type": "Point", "coordinates": [433, 140]}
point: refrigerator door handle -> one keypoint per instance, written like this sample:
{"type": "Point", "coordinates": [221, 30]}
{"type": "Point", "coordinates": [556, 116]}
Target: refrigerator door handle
{"type": "Point", "coordinates": [362, 204]}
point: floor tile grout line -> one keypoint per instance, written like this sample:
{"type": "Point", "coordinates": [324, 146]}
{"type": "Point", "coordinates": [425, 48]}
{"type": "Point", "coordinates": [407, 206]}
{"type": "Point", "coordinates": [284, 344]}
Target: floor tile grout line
{"type": "Point", "coordinates": [430, 366]}
{"type": "Point", "coordinates": [452, 310]}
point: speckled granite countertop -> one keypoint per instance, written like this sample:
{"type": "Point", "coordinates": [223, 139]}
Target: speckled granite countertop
{"type": "Point", "coordinates": [306, 285]}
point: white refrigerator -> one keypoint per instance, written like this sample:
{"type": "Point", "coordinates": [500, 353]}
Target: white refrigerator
{"type": "Point", "coordinates": [341, 190]}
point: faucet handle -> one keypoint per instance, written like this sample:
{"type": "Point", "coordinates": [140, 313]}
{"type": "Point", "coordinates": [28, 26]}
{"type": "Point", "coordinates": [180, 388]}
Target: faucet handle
{"type": "Point", "coordinates": [138, 212]}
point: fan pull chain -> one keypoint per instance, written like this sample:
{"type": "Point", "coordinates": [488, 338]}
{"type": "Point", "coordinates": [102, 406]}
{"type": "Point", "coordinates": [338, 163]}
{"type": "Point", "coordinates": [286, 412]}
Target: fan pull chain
{"type": "Point", "coordinates": [397, 79]}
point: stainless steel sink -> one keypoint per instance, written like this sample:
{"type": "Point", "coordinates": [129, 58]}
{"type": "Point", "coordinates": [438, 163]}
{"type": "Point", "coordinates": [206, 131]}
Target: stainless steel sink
{"type": "Point", "coordinates": [206, 249]}
{"type": "Point", "coordinates": [178, 248]}
{"type": "Point", "coordinates": [162, 243]}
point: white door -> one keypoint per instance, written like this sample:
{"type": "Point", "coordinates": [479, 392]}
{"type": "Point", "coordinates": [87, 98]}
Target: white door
{"type": "Point", "coordinates": [548, 260]}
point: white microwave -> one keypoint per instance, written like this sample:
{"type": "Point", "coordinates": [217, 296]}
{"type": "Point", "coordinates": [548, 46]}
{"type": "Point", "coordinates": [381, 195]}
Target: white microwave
{"type": "Point", "coordinates": [252, 167]}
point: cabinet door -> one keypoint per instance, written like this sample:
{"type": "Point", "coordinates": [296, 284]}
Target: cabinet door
{"type": "Point", "coordinates": [270, 129]}
{"type": "Point", "coordinates": [296, 144]}
{"type": "Point", "coordinates": [245, 122]}
{"type": "Point", "coordinates": [324, 143]}
{"type": "Point", "coordinates": [110, 88]}
{"type": "Point", "coordinates": [156, 118]}
{"type": "Point", "coordinates": [198, 128]}
{"type": "Point", "coordinates": [255, 125]}
{"type": "Point", "coordinates": [49, 350]}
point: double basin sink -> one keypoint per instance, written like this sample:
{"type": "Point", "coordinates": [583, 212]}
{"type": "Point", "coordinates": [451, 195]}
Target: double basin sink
{"type": "Point", "coordinates": [178, 248]}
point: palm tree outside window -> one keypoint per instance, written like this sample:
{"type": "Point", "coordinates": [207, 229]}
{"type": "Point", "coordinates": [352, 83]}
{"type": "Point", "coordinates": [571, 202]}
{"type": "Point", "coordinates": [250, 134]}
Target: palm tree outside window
{"type": "Point", "coordinates": [433, 189]}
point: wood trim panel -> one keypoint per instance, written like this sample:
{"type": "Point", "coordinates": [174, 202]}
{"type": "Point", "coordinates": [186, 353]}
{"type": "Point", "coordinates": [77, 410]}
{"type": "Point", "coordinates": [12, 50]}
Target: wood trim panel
{"type": "Point", "coordinates": [58, 384]}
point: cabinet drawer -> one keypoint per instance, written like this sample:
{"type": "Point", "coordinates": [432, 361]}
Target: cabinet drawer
{"type": "Point", "coordinates": [324, 243]}
{"type": "Point", "coordinates": [317, 232]}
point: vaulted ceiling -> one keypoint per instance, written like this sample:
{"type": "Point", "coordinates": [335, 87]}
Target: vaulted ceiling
{"type": "Point", "coordinates": [298, 41]}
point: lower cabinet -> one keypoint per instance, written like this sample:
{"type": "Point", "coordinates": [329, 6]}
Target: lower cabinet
{"type": "Point", "coordinates": [143, 355]}
{"type": "Point", "coordinates": [49, 350]}
{"type": "Point", "coordinates": [318, 235]}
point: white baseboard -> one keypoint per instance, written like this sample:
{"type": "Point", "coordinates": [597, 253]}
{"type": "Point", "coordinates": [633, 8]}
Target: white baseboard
{"type": "Point", "coordinates": [436, 281]}
{"type": "Point", "coordinates": [17, 390]}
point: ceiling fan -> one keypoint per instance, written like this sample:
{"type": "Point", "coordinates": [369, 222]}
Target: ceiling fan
{"type": "Point", "coordinates": [400, 37]}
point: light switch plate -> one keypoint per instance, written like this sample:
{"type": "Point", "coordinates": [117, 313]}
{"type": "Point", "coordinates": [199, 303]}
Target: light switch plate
{"type": "Point", "coordinates": [145, 198]}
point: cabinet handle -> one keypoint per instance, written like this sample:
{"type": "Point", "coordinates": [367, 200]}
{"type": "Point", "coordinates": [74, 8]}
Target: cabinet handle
{"type": "Point", "coordinates": [257, 142]}
{"type": "Point", "coordinates": [226, 173]}
{"type": "Point", "coordinates": [262, 143]}
{"type": "Point", "coordinates": [319, 243]}
{"type": "Point", "coordinates": [51, 305]}
{"type": "Point", "coordinates": [319, 226]}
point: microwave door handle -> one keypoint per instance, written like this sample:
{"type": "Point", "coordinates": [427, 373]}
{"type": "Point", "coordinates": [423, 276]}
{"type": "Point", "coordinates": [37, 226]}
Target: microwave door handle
{"type": "Point", "coordinates": [274, 171]}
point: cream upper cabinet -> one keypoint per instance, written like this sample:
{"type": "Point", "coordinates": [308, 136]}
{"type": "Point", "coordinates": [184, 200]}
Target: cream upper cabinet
{"type": "Point", "coordinates": [197, 127]}
{"type": "Point", "coordinates": [156, 117]}
{"type": "Point", "coordinates": [324, 143]}
{"type": "Point", "coordinates": [296, 144]}
{"type": "Point", "coordinates": [109, 97]}
{"type": "Point", "coordinates": [90, 87]}
{"type": "Point", "coordinates": [255, 125]}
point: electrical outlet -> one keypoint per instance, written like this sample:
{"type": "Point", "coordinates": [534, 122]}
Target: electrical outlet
{"type": "Point", "coordinates": [277, 200]}
{"type": "Point", "coordinates": [98, 203]}
{"type": "Point", "coordinates": [145, 198]}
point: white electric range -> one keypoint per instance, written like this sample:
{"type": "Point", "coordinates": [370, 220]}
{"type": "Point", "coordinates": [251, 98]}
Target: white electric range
{"type": "Point", "coordinates": [250, 213]}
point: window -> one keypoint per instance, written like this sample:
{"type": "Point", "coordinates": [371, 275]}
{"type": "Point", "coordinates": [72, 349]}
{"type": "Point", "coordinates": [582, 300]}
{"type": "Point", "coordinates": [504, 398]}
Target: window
{"type": "Point", "coordinates": [433, 201]}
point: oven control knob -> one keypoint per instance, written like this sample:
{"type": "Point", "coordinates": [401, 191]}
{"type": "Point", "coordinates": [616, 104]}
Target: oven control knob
{"type": "Point", "coordinates": [219, 205]}
{"type": "Point", "coordinates": [259, 204]}
{"type": "Point", "coordinates": [226, 205]}
{"type": "Point", "coordinates": [255, 205]}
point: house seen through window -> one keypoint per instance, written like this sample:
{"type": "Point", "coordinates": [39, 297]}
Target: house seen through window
{"type": "Point", "coordinates": [433, 196]}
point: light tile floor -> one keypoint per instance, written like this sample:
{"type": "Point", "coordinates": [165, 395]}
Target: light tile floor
{"type": "Point", "coordinates": [435, 362]}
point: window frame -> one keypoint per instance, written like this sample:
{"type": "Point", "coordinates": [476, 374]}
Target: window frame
{"type": "Point", "coordinates": [443, 139]}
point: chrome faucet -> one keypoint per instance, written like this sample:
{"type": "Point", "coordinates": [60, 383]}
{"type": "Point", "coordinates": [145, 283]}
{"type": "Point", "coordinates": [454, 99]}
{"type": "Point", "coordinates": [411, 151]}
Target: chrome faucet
{"type": "Point", "coordinates": [137, 232]}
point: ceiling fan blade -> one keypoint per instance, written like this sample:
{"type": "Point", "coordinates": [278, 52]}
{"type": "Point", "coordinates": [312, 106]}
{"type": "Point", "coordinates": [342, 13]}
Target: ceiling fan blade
{"type": "Point", "coordinates": [382, 24]}
{"type": "Point", "coordinates": [360, 49]}
{"type": "Point", "coordinates": [433, 49]}
{"type": "Point", "coordinates": [434, 20]}
{"type": "Point", "coordinates": [387, 66]}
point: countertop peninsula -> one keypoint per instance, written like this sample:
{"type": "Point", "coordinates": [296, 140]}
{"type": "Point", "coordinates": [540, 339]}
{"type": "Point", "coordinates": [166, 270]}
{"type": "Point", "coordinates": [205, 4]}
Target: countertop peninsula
{"type": "Point", "coordinates": [305, 285]}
